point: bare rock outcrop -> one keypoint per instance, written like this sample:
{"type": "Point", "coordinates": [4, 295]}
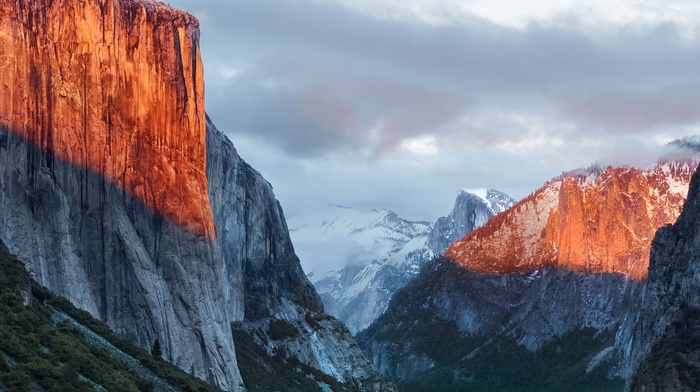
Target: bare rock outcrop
{"type": "Point", "coordinates": [599, 223]}
{"type": "Point", "coordinates": [662, 342]}
{"type": "Point", "coordinates": [124, 198]}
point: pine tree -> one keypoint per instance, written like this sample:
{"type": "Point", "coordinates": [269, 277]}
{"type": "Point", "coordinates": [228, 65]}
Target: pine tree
{"type": "Point", "coordinates": [156, 351]}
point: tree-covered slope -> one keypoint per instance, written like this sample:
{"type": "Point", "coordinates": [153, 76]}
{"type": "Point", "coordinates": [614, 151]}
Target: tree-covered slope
{"type": "Point", "coordinates": [47, 344]}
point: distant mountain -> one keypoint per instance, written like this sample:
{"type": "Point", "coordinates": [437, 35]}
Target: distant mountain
{"type": "Point", "coordinates": [379, 252]}
{"type": "Point", "coordinates": [342, 236]}
{"type": "Point", "coordinates": [122, 196]}
{"type": "Point", "coordinates": [549, 281]}
{"type": "Point", "coordinates": [375, 252]}
{"type": "Point", "coordinates": [471, 210]}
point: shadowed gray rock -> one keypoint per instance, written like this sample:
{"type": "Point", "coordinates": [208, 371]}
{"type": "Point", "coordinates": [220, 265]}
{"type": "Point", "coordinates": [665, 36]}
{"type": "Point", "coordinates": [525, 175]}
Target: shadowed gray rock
{"type": "Point", "coordinates": [528, 309]}
{"type": "Point", "coordinates": [146, 278]}
{"type": "Point", "coordinates": [264, 276]}
{"type": "Point", "coordinates": [89, 241]}
{"type": "Point", "coordinates": [662, 343]}
{"type": "Point", "coordinates": [266, 281]}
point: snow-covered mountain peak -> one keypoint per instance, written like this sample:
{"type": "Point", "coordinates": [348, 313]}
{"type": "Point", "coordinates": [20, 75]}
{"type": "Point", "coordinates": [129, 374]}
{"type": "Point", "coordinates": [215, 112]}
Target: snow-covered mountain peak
{"type": "Point", "coordinates": [335, 219]}
{"type": "Point", "coordinates": [496, 201]}
{"type": "Point", "coordinates": [479, 192]}
{"type": "Point", "coordinates": [472, 208]}
{"type": "Point", "coordinates": [336, 236]}
{"type": "Point", "coordinates": [358, 259]}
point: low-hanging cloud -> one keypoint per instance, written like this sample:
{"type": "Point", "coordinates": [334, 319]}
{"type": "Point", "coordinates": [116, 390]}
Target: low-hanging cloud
{"type": "Point", "coordinates": [332, 113]}
{"type": "Point", "coordinates": [638, 112]}
{"type": "Point", "coordinates": [394, 112]}
{"type": "Point", "coordinates": [319, 78]}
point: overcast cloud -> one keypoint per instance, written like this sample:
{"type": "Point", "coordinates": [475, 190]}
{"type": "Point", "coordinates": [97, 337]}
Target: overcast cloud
{"type": "Point", "coordinates": [399, 104]}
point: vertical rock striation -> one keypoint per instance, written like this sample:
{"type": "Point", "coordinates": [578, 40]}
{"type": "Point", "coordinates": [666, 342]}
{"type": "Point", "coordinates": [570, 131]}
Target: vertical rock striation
{"type": "Point", "coordinates": [600, 223]}
{"type": "Point", "coordinates": [103, 184]}
{"type": "Point", "coordinates": [126, 200]}
{"type": "Point", "coordinates": [267, 286]}
{"type": "Point", "coordinates": [114, 87]}
{"type": "Point", "coordinates": [662, 343]}
{"type": "Point", "coordinates": [562, 267]}
{"type": "Point", "coordinates": [110, 254]}
{"type": "Point", "coordinates": [264, 274]}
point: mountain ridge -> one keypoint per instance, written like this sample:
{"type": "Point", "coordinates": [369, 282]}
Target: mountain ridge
{"type": "Point", "coordinates": [387, 251]}
{"type": "Point", "coordinates": [123, 197]}
{"type": "Point", "coordinates": [503, 290]}
{"type": "Point", "coordinates": [547, 215]}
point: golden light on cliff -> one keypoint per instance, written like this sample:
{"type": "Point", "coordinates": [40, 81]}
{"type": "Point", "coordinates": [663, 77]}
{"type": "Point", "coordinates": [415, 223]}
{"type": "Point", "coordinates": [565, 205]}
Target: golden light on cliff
{"type": "Point", "coordinates": [595, 224]}
{"type": "Point", "coordinates": [125, 102]}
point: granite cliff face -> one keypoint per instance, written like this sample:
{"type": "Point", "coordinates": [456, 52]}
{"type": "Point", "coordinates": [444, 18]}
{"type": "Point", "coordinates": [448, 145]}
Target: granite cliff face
{"type": "Point", "coordinates": [560, 268]}
{"type": "Point", "coordinates": [90, 241]}
{"type": "Point", "coordinates": [103, 182]}
{"type": "Point", "coordinates": [262, 271]}
{"type": "Point", "coordinates": [589, 222]}
{"type": "Point", "coordinates": [115, 88]}
{"type": "Point", "coordinates": [266, 286]}
{"type": "Point", "coordinates": [122, 197]}
{"type": "Point", "coordinates": [472, 209]}
{"type": "Point", "coordinates": [662, 341]}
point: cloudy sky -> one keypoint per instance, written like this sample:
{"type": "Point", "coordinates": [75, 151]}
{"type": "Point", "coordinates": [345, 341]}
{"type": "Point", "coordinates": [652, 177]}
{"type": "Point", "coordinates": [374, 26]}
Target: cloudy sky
{"type": "Point", "coordinates": [400, 103]}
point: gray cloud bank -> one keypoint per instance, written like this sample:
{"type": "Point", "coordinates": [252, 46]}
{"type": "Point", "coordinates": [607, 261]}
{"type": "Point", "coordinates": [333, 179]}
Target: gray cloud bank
{"type": "Point", "coordinates": [322, 100]}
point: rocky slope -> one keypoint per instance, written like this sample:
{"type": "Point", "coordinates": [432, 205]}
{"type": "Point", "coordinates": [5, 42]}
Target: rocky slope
{"type": "Point", "coordinates": [589, 222]}
{"type": "Point", "coordinates": [382, 252]}
{"type": "Point", "coordinates": [472, 209]}
{"type": "Point", "coordinates": [267, 286]}
{"type": "Point", "coordinates": [542, 277]}
{"type": "Point", "coordinates": [662, 342]}
{"type": "Point", "coordinates": [122, 197]}
{"type": "Point", "coordinates": [548, 330]}
{"type": "Point", "coordinates": [48, 344]}
{"type": "Point", "coordinates": [375, 252]}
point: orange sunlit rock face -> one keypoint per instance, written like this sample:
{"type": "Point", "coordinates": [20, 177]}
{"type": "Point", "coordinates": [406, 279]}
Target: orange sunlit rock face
{"type": "Point", "coordinates": [583, 223]}
{"type": "Point", "coordinates": [115, 87]}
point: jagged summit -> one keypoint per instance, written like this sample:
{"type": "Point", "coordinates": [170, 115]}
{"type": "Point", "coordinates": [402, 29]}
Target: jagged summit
{"type": "Point", "coordinates": [552, 281]}
{"type": "Point", "coordinates": [496, 201]}
{"type": "Point", "coordinates": [590, 222]}
{"type": "Point", "coordinates": [372, 254]}
{"type": "Point", "coordinates": [472, 209]}
{"type": "Point", "coordinates": [121, 196]}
